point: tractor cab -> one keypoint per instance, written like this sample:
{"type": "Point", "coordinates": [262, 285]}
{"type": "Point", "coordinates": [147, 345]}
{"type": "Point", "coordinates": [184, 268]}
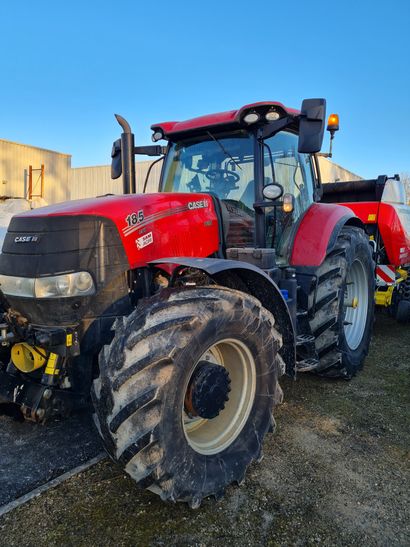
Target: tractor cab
{"type": "Point", "coordinates": [223, 164]}
{"type": "Point", "coordinates": [258, 161]}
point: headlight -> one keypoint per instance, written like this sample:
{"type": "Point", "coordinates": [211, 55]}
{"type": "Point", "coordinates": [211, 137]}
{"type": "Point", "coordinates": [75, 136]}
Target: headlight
{"type": "Point", "coordinates": [56, 286]}
{"type": "Point", "coordinates": [17, 286]}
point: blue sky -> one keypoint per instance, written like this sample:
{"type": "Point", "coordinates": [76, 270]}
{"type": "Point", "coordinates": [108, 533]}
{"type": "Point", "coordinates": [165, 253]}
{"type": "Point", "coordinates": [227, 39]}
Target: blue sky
{"type": "Point", "coordinates": [66, 67]}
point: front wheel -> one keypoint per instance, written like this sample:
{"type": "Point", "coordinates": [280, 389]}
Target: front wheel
{"type": "Point", "coordinates": [186, 390]}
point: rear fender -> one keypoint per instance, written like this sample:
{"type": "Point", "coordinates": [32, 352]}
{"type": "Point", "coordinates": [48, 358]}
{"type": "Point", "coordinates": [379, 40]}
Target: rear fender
{"type": "Point", "coordinates": [258, 284]}
{"type": "Point", "coordinates": [318, 231]}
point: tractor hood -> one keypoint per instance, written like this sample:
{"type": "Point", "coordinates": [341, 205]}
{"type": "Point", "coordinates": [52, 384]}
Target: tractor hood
{"type": "Point", "coordinates": [109, 233]}
{"type": "Point", "coordinates": [135, 229]}
{"type": "Point", "coordinates": [105, 237]}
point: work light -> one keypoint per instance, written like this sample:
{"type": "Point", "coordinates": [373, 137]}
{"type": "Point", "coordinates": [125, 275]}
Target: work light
{"type": "Point", "coordinates": [251, 117]}
{"type": "Point", "coordinates": [157, 135]}
{"type": "Point", "coordinates": [272, 115]}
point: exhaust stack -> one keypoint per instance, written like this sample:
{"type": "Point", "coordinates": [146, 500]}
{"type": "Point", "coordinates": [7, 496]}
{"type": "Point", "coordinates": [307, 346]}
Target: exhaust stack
{"type": "Point", "coordinates": [127, 156]}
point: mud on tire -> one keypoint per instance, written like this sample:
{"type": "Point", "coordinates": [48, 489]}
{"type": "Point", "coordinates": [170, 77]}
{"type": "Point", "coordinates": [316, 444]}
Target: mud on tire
{"type": "Point", "coordinates": [144, 373]}
{"type": "Point", "coordinates": [347, 270]}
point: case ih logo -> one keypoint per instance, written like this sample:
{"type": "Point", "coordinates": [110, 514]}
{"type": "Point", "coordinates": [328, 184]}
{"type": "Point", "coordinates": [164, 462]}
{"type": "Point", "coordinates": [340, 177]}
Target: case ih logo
{"type": "Point", "coordinates": [198, 204]}
{"type": "Point", "coordinates": [26, 239]}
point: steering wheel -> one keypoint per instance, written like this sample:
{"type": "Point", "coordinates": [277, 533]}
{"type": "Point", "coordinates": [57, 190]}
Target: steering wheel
{"type": "Point", "coordinates": [227, 176]}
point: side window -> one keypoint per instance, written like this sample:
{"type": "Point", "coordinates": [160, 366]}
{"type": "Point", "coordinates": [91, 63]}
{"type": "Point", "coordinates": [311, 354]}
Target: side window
{"type": "Point", "coordinates": [284, 164]}
{"type": "Point", "coordinates": [309, 176]}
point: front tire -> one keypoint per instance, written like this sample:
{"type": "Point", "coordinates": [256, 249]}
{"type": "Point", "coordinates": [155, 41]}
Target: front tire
{"type": "Point", "coordinates": [144, 414]}
{"type": "Point", "coordinates": [342, 308]}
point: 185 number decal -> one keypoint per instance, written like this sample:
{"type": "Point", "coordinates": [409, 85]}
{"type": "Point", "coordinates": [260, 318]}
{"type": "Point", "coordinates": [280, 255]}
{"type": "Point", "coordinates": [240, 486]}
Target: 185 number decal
{"type": "Point", "coordinates": [135, 218]}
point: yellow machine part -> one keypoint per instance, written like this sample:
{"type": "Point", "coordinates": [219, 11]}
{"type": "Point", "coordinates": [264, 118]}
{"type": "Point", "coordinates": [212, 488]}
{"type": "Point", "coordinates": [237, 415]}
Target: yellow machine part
{"type": "Point", "coordinates": [52, 364]}
{"type": "Point", "coordinates": [27, 358]}
{"type": "Point", "coordinates": [383, 298]}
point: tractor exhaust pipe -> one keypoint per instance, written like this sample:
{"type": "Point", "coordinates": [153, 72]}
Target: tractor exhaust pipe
{"type": "Point", "coordinates": [127, 156]}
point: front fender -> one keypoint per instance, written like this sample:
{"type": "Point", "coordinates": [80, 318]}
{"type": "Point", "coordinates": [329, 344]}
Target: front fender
{"type": "Point", "coordinates": [258, 284]}
{"type": "Point", "coordinates": [318, 231]}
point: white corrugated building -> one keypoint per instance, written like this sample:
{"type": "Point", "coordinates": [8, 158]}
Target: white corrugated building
{"type": "Point", "coordinates": [15, 162]}
{"type": "Point", "coordinates": [332, 172]}
{"type": "Point", "coordinates": [94, 181]}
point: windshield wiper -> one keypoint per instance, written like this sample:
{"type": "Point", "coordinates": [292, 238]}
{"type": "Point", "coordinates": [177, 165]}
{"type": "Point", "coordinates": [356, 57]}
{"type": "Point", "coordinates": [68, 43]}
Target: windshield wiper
{"type": "Point", "coordinates": [227, 154]}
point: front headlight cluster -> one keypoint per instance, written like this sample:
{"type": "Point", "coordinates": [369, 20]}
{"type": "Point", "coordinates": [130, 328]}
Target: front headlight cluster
{"type": "Point", "coordinates": [56, 286]}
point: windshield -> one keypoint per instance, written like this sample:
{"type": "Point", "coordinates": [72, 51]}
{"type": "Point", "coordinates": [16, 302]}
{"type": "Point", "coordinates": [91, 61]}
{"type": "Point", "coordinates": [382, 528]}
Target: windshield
{"type": "Point", "coordinates": [219, 164]}
{"type": "Point", "coordinates": [224, 165]}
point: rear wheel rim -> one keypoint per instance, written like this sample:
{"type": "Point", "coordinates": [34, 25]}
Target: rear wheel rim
{"type": "Point", "coordinates": [213, 436]}
{"type": "Point", "coordinates": [355, 318]}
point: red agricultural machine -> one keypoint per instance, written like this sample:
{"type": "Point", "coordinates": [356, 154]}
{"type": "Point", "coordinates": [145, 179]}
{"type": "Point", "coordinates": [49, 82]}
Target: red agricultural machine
{"type": "Point", "coordinates": [382, 207]}
{"type": "Point", "coordinates": [181, 310]}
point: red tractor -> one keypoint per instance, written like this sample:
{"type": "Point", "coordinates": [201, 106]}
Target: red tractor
{"type": "Point", "coordinates": [182, 309]}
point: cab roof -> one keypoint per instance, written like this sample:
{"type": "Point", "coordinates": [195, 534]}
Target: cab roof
{"type": "Point", "coordinates": [229, 118]}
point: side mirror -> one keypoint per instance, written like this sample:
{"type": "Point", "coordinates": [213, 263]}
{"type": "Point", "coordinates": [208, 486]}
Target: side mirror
{"type": "Point", "coordinates": [312, 125]}
{"type": "Point", "coordinates": [272, 191]}
{"type": "Point", "coordinates": [116, 162]}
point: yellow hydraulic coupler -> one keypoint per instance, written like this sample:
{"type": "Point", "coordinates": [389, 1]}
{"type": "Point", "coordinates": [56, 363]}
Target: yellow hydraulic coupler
{"type": "Point", "coordinates": [27, 358]}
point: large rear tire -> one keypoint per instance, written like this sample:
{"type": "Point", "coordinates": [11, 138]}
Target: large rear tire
{"type": "Point", "coordinates": [342, 308]}
{"type": "Point", "coordinates": [143, 396]}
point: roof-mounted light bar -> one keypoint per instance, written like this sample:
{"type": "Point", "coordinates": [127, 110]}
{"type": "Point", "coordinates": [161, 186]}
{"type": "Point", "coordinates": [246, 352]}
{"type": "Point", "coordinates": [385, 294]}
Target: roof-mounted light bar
{"type": "Point", "coordinates": [263, 113]}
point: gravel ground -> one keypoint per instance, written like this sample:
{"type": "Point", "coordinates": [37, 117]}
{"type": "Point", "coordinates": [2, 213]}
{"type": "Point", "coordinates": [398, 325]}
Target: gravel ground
{"type": "Point", "coordinates": [336, 472]}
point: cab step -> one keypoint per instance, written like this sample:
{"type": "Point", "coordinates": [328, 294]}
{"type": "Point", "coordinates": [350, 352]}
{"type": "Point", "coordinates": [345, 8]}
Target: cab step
{"type": "Point", "coordinates": [302, 339]}
{"type": "Point", "coordinates": [307, 365]}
